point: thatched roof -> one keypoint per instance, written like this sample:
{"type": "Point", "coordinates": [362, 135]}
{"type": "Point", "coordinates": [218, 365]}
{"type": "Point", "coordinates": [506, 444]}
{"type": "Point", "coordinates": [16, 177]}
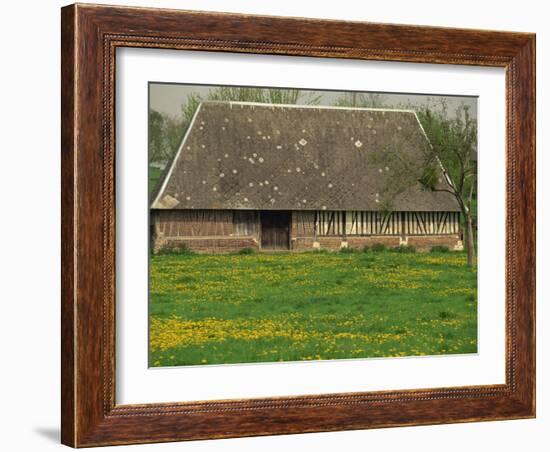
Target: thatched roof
{"type": "Point", "coordinates": [238, 155]}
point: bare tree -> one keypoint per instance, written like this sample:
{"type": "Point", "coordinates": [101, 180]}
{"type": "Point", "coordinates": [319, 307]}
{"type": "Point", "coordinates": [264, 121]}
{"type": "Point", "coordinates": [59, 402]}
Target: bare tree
{"type": "Point", "coordinates": [452, 151]}
{"type": "Point", "coordinates": [248, 94]}
{"type": "Point", "coordinates": [446, 165]}
{"type": "Point", "coordinates": [361, 100]}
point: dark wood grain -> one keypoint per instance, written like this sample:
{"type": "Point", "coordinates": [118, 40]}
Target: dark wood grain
{"type": "Point", "coordinates": [90, 36]}
{"type": "Point", "coordinates": [68, 310]}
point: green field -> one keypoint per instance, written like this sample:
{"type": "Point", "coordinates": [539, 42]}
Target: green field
{"type": "Point", "coordinates": [212, 309]}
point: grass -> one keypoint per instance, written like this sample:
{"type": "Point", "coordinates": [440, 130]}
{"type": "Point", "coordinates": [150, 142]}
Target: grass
{"type": "Point", "coordinates": [213, 309]}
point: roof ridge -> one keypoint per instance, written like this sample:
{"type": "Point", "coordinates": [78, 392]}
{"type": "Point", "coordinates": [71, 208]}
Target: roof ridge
{"type": "Point", "coordinates": [318, 107]}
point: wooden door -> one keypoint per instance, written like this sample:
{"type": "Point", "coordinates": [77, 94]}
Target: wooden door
{"type": "Point", "coordinates": [275, 230]}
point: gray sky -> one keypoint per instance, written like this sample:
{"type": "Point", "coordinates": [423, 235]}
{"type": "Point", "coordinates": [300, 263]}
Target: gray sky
{"type": "Point", "coordinates": [168, 98]}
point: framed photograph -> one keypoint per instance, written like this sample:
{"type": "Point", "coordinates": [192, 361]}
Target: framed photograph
{"type": "Point", "coordinates": [280, 225]}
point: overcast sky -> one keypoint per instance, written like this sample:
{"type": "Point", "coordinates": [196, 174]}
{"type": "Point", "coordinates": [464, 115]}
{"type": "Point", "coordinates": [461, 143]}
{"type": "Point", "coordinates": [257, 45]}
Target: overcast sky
{"type": "Point", "coordinates": [168, 98]}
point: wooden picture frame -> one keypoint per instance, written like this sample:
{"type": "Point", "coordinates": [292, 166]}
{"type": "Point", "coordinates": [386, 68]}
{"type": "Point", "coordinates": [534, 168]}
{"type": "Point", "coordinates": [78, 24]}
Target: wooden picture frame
{"type": "Point", "coordinates": [90, 36]}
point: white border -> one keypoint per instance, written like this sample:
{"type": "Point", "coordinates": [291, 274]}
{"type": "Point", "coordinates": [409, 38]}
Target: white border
{"type": "Point", "coordinates": [137, 384]}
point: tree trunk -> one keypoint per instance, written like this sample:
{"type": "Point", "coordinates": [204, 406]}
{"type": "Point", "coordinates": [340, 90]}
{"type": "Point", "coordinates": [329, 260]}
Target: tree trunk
{"type": "Point", "coordinates": [469, 238]}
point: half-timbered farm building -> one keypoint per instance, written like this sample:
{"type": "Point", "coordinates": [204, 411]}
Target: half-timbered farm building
{"type": "Point", "coordinates": [288, 177]}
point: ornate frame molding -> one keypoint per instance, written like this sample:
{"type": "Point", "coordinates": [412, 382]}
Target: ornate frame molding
{"type": "Point", "coordinates": [90, 37]}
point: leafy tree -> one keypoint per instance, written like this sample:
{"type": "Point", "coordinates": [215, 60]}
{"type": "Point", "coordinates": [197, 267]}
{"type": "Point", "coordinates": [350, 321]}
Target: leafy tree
{"type": "Point", "coordinates": [156, 135]}
{"type": "Point", "coordinates": [173, 129]}
{"type": "Point", "coordinates": [165, 134]}
{"type": "Point", "coordinates": [189, 107]}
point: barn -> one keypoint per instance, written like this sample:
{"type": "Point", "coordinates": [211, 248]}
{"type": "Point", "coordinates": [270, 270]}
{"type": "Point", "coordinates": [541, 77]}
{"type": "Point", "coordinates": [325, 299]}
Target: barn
{"type": "Point", "coordinates": [289, 177]}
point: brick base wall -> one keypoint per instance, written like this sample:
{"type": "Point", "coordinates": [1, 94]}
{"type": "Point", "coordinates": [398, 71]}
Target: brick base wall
{"type": "Point", "coordinates": [234, 244]}
{"type": "Point", "coordinates": [421, 243]}
{"type": "Point", "coordinates": [426, 242]}
{"type": "Point", "coordinates": [362, 242]}
{"type": "Point", "coordinates": [206, 244]}
{"type": "Point", "coordinates": [301, 244]}
{"type": "Point", "coordinates": [323, 243]}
